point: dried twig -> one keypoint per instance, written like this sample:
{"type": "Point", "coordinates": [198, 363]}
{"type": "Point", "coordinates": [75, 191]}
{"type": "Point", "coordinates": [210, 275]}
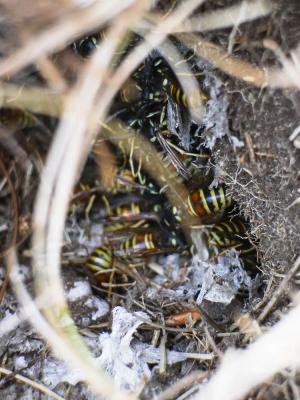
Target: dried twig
{"type": "Point", "coordinates": [219, 58]}
{"type": "Point", "coordinates": [279, 291]}
{"type": "Point", "coordinates": [228, 16]}
{"type": "Point", "coordinates": [52, 74]}
{"type": "Point", "coordinates": [36, 385]}
{"type": "Point", "coordinates": [107, 164]}
{"type": "Point", "coordinates": [194, 377]}
{"type": "Point", "coordinates": [249, 73]}
{"type": "Point", "coordinates": [212, 343]}
{"type": "Point", "coordinates": [34, 99]}
{"type": "Point", "coordinates": [67, 153]}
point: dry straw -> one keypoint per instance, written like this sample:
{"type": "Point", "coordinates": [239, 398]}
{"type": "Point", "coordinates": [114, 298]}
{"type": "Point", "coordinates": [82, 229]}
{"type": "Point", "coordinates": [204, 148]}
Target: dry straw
{"type": "Point", "coordinates": [83, 110]}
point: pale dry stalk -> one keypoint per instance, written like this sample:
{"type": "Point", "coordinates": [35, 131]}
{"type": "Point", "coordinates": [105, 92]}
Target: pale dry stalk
{"type": "Point", "coordinates": [226, 17]}
{"type": "Point", "coordinates": [36, 385]}
{"type": "Point", "coordinates": [65, 158]}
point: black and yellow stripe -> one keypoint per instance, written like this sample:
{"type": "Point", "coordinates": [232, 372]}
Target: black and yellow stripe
{"type": "Point", "coordinates": [122, 211]}
{"type": "Point", "coordinates": [231, 234]}
{"type": "Point", "coordinates": [138, 245]}
{"type": "Point", "coordinates": [86, 45]}
{"type": "Point", "coordinates": [128, 210]}
{"type": "Point", "coordinates": [101, 260]}
{"type": "Point", "coordinates": [125, 181]}
{"type": "Point", "coordinates": [180, 98]}
{"type": "Point", "coordinates": [226, 233]}
{"type": "Point", "coordinates": [116, 226]}
{"type": "Point", "coordinates": [17, 117]}
{"type": "Point", "coordinates": [205, 201]}
{"type": "Point", "coordinates": [130, 92]}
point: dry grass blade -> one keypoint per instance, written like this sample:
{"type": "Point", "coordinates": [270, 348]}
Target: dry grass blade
{"type": "Point", "coordinates": [36, 385]}
{"type": "Point", "coordinates": [51, 73]}
{"type": "Point", "coordinates": [280, 290]}
{"type": "Point", "coordinates": [44, 10]}
{"type": "Point", "coordinates": [34, 99]}
{"type": "Point", "coordinates": [107, 165]}
{"type": "Point", "coordinates": [191, 379]}
{"type": "Point", "coordinates": [67, 153]}
{"type": "Point", "coordinates": [228, 16]}
{"type": "Point", "coordinates": [219, 58]}
{"type": "Point", "coordinates": [65, 150]}
{"type": "Point", "coordinates": [291, 67]}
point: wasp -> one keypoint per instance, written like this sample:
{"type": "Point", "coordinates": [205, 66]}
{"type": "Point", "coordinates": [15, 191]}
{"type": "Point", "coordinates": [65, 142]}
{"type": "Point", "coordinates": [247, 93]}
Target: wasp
{"type": "Point", "coordinates": [100, 262]}
{"type": "Point", "coordinates": [139, 245]}
{"type": "Point", "coordinates": [106, 269]}
{"type": "Point", "coordinates": [230, 234]}
{"type": "Point", "coordinates": [204, 201]}
{"type": "Point", "coordinates": [178, 95]}
{"type": "Point", "coordinates": [173, 157]}
{"type": "Point", "coordinates": [226, 233]}
{"type": "Point", "coordinates": [140, 213]}
{"type": "Point", "coordinates": [17, 117]}
{"type": "Point", "coordinates": [130, 206]}
{"type": "Point", "coordinates": [146, 244]}
{"type": "Point", "coordinates": [86, 45]}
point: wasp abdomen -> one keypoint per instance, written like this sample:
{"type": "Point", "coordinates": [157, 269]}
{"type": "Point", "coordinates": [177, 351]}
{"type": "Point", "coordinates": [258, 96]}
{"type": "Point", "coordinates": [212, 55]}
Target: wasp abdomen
{"type": "Point", "coordinates": [100, 262]}
{"type": "Point", "coordinates": [226, 233]}
{"type": "Point", "coordinates": [139, 245]}
{"type": "Point", "coordinates": [208, 201]}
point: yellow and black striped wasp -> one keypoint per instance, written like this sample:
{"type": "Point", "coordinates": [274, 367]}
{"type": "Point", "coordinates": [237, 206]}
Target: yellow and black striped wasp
{"type": "Point", "coordinates": [100, 262]}
{"type": "Point", "coordinates": [204, 201]}
{"type": "Point", "coordinates": [226, 233]}
{"type": "Point", "coordinates": [86, 45]}
{"type": "Point", "coordinates": [165, 80]}
{"type": "Point", "coordinates": [232, 234]}
{"type": "Point", "coordinates": [175, 91]}
{"type": "Point", "coordinates": [137, 246]}
{"type": "Point", "coordinates": [131, 216]}
{"type": "Point", "coordinates": [17, 117]}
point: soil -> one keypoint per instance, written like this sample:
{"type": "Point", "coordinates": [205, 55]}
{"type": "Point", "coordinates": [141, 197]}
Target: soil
{"type": "Point", "coordinates": [263, 176]}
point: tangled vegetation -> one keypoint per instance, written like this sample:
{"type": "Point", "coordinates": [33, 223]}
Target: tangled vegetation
{"type": "Point", "coordinates": [149, 183]}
